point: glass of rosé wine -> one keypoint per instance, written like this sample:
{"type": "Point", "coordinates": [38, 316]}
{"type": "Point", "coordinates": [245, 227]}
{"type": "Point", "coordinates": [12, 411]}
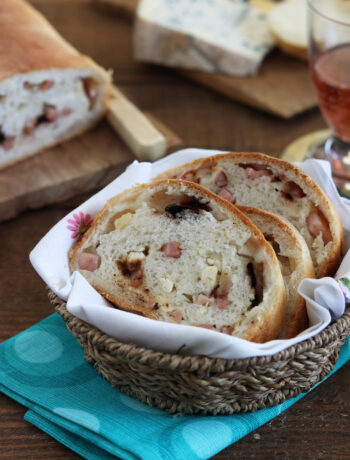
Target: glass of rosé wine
{"type": "Point", "coordinates": [329, 57]}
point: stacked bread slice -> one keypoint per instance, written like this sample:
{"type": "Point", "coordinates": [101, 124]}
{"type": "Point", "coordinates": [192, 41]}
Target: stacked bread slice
{"type": "Point", "coordinates": [295, 262]}
{"type": "Point", "coordinates": [293, 212]}
{"type": "Point", "coordinates": [264, 182]}
{"type": "Point", "coordinates": [176, 252]}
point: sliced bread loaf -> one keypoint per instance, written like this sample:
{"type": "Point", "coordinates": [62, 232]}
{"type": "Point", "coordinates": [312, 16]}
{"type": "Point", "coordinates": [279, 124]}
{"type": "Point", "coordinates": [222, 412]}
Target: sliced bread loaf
{"type": "Point", "coordinates": [277, 186]}
{"type": "Point", "coordinates": [295, 262]}
{"type": "Point", "coordinates": [49, 92]}
{"type": "Point", "coordinates": [174, 251]}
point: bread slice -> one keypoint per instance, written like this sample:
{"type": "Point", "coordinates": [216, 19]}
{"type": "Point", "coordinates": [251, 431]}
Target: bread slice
{"type": "Point", "coordinates": [277, 186]}
{"type": "Point", "coordinates": [175, 252]}
{"type": "Point", "coordinates": [48, 91]}
{"type": "Point", "coordinates": [295, 262]}
{"type": "Point", "coordinates": [288, 24]}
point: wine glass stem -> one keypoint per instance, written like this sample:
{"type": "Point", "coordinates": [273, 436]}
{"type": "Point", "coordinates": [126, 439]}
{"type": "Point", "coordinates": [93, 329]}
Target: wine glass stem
{"type": "Point", "coordinates": [338, 153]}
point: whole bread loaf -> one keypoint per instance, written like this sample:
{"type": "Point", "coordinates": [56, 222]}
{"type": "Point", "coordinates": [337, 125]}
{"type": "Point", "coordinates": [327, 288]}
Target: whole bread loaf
{"type": "Point", "coordinates": [277, 186]}
{"type": "Point", "coordinates": [295, 261]}
{"type": "Point", "coordinates": [173, 251]}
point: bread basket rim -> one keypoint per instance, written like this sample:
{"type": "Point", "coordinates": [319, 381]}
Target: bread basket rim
{"type": "Point", "coordinates": [131, 351]}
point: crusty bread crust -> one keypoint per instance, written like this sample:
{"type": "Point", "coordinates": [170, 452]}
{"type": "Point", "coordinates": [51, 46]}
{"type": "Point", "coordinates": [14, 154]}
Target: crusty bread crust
{"type": "Point", "coordinates": [269, 324]}
{"type": "Point", "coordinates": [296, 318]}
{"type": "Point", "coordinates": [325, 204]}
{"type": "Point", "coordinates": [29, 43]}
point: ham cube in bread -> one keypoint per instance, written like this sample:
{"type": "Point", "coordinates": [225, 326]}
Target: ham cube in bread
{"type": "Point", "coordinates": [186, 256]}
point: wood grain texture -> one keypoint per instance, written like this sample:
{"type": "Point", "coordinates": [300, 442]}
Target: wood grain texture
{"type": "Point", "coordinates": [84, 163]}
{"type": "Point", "coordinates": [125, 8]}
{"type": "Point", "coordinates": [318, 426]}
{"type": "Point", "coordinates": [281, 87]}
{"type": "Point", "coordinates": [173, 141]}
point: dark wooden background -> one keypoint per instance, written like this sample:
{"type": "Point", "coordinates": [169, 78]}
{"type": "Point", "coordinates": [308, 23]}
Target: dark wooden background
{"type": "Point", "coordinates": [317, 427]}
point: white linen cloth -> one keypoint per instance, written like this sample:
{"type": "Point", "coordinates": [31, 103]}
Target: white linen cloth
{"type": "Point", "coordinates": [325, 297]}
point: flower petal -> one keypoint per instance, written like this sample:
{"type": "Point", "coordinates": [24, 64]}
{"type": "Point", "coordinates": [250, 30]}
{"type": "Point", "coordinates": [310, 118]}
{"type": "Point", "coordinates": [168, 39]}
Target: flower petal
{"type": "Point", "coordinates": [72, 228]}
{"type": "Point", "coordinates": [71, 221]}
{"type": "Point", "coordinates": [87, 219]}
{"type": "Point", "coordinates": [76, 218]}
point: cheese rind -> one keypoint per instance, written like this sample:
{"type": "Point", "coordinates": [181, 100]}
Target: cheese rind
{"type": "Point", "coordinates": [225, 36]}
{"type": "Point", "coordinates": [288, 24]}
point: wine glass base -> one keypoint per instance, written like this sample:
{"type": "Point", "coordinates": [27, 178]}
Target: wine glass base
{"type": "Point", "coordinates": [321, 145]}
{"type": "Point", "coordinates": [299, 149]}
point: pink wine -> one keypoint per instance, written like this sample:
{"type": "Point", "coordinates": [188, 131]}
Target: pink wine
{"type": "Point", "coordinates": [331, 76]}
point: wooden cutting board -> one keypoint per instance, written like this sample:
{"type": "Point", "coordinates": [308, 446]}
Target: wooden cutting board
{"type": "Point", "coordinates": [81, 165]}
{"type": "Point", "coordinates": [282, 86]}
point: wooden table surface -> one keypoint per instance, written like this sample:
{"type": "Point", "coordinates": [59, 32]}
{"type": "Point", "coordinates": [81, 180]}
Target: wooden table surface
{"type": "Point", "coordinates": [317, 427]}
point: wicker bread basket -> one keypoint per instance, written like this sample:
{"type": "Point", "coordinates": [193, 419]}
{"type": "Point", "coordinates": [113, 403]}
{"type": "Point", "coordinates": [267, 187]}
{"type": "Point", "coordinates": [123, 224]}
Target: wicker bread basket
{"type": "Point", "coordinates": [202, 385]}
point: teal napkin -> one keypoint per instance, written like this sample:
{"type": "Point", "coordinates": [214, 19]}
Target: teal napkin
{"type": "Point", "coordinates": [43, 369]}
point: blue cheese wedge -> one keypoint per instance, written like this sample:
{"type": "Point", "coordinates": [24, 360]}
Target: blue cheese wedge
{"type": "Point", "coordinates": [223, 36]}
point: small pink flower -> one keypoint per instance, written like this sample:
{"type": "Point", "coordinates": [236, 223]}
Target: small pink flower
{"type": "Point", "coordinates": [79, 225]}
